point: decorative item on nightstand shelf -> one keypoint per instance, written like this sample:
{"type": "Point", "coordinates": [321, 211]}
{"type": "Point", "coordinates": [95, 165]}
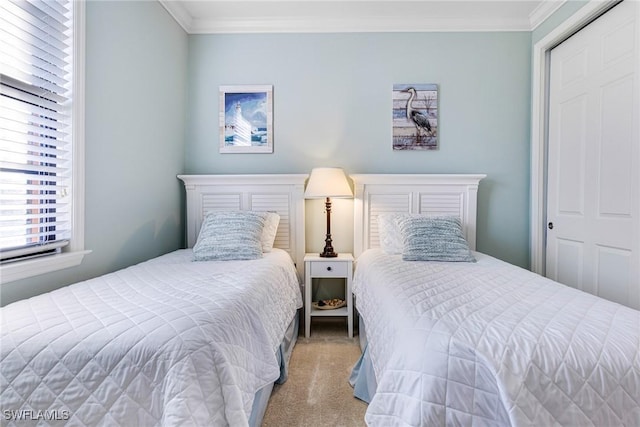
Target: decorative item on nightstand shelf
{"type": "Point", "coordinates": [329, 304]}
{"type": "Point", "coordinates": [328, 182]}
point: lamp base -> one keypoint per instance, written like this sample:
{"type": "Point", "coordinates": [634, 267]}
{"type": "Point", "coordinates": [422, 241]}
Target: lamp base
{"type": "Point", "coordinates": [326, 254]}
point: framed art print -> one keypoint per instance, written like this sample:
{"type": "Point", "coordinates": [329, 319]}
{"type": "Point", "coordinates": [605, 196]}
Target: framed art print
{"type": "Point", "coordinates": [246, 119]}
{"type": "Point", "coordinates": [415, 116]}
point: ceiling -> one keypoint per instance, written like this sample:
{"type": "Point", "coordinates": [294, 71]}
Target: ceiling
{"type": "Point", "coordinates": [304, 16]}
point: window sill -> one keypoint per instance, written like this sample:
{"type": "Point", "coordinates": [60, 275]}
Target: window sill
{"type": "Point", "coordinates": [35, 267]}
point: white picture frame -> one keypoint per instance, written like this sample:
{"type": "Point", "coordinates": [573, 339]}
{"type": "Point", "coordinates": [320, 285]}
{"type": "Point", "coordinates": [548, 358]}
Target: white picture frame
{"type": "Point", "coordinates": [415, 117]}
{"type": "Point", "coordinates": [246, 119]}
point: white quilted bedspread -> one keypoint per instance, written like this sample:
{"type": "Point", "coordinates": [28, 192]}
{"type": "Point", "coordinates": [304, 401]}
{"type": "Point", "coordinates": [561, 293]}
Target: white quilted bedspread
{"type": "Point", "coordinates": [488, 344]}
{"type": "Point", "coordinates": [167, 342]}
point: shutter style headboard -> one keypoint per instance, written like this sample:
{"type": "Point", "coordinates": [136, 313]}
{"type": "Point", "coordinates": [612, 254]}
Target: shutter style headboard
{"type": "Point", "coordinates": [283, 194]}
{"type": "Point", "coordinates": [430, 194]}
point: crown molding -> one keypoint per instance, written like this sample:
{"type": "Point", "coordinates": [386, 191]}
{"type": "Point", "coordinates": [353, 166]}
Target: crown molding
{"type": "Point", "coordinates": [346, 25]}
{"type": "Point", "coordinates": [179, 13]}
{"type": "Point", "coordinates": [356, 23]}
{"type": "Point", "coordinates": [544, 10]}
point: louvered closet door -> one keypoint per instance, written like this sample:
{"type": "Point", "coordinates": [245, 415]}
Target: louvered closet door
{"type": "Point", "coordinates": [593, 180]}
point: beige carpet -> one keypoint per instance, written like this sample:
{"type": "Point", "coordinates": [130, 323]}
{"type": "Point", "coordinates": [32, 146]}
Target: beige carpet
{"type": "Point", "coordinates": [317, 392]}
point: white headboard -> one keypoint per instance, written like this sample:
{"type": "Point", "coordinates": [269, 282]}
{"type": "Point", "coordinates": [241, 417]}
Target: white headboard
{"type": "Point", "coordinates": [454, 195]}
{"type": "Point", "coordinates": [283, 194]}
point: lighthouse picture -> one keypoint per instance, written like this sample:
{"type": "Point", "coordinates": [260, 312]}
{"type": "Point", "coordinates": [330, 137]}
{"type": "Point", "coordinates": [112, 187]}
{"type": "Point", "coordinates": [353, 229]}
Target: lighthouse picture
{"type": "Point", "coordinates": [246, 116]}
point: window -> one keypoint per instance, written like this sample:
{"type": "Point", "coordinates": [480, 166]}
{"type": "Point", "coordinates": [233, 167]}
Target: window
{"type": "Point", "coordinates": [41, 131]}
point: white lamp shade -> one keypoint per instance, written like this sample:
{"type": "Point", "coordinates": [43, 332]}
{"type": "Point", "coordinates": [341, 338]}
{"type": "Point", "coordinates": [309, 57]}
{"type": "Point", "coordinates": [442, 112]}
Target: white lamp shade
{"type": "Point", "coordinates": [327, 182]}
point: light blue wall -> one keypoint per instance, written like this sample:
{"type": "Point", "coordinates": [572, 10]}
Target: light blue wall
{"type": "Point", "coordinates": [332, 107]}
{"type": "Point", "coordinates": [136, 66]}
{"type": "Point", "coordinates": [152, 112]}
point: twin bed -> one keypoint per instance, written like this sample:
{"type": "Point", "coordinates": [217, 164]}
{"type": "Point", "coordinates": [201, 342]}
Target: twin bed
{"type": "Point", "coordinates": [173, 341]}
{"type": "Point", "coordinates": [476, 343]}
{"type": "Point", "coordinates": [170, 341]}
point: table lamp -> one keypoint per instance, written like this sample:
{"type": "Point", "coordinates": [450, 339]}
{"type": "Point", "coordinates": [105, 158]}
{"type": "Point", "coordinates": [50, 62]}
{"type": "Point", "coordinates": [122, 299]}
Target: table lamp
{"type": "Point", "coordinates": [328, 182]}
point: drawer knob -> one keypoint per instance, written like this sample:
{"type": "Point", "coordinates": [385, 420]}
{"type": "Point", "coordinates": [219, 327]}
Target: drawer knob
{"type": "Point", "coordinates": [329, 268]}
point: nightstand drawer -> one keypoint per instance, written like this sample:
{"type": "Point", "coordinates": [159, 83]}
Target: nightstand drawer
{"type": "Point", "coordinates": [329, 269]}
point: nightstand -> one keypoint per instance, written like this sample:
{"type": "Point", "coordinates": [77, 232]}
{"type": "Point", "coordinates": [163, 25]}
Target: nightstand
{"type": "Point", "coordinates": [317, 267]}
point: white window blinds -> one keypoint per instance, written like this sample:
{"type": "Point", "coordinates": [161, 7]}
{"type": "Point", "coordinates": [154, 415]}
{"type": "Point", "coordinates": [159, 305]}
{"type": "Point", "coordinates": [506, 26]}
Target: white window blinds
{"type": "Point", "coordinates": [35, 126]}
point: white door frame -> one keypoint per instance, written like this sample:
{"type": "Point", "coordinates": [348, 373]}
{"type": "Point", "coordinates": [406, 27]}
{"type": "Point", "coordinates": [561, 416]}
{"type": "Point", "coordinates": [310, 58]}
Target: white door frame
{"type": "Point", "coordinates": [539, 107]}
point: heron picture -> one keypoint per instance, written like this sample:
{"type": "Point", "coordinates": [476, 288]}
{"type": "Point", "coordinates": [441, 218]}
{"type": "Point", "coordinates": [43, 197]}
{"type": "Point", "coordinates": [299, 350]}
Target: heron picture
{"type": "Point", "coordinates": [246, 117]}
{"type": "Point", "coordinates": [415, 116]}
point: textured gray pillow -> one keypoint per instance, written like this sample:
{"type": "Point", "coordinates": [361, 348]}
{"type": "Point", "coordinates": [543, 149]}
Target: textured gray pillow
{"type": "Point", "coordinates": [230, 235]}
{"type": "Point", "coordinates": [433, 239]}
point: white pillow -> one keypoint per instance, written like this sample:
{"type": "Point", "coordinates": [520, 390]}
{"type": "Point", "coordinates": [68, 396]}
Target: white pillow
{"type": "Point", "coordinates": [389, 233]}
{"type": "Point", "coordinates": [269, 231]}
